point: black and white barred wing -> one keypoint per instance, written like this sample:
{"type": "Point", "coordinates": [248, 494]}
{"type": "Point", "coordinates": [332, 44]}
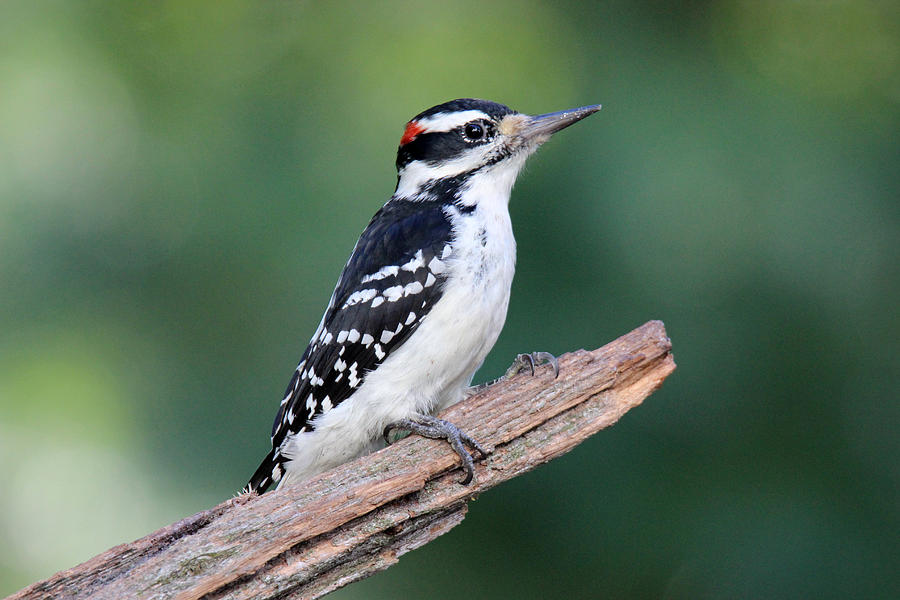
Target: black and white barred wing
{"type": "Point", "coordinates": [391, 281]}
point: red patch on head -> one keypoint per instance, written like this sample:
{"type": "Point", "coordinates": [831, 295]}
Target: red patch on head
{"type": "Point", "coordinates": [412, 130]}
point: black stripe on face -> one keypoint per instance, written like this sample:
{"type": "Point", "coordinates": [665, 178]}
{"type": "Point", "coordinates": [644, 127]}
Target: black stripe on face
{"type": "Point", "coordinates": [444, 145]}
{"type": "Point", "coordinates": [435, 147]}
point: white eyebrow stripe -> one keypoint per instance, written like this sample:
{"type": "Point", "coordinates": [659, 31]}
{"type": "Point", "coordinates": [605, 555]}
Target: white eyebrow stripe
{"type": "Point", "coordinates": [448, 121]}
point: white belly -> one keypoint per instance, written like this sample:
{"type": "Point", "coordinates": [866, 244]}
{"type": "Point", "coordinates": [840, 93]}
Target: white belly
{"type": "Point", "coordinates": [435, 365]}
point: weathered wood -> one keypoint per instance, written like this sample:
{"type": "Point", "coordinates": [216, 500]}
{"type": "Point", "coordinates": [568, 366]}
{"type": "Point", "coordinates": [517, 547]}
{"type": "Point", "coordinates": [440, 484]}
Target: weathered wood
{"type": "Point", "coordinates": [308, 540]}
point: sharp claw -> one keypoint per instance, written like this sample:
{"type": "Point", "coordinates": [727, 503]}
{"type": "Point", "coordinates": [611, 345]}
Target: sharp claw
{"type": "Point", "coordinates": [549, 359]}
{"type": "Point", "coordinates": [472, 444]}
{"type": "Point", "coordinates": [531, 360]}
{"type": "Point", "coordinates": [470, 474]}
{"type": "Point", "coordinates": [434, 428]}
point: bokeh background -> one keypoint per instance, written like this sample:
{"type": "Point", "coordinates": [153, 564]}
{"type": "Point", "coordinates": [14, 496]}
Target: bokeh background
{"type": "Point", "coordinates": [181, 183]}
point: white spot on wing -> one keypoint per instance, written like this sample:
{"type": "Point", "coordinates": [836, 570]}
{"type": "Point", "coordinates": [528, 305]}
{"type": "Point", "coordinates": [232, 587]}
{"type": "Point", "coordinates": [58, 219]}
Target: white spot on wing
{"type": "Point", "coordinates": [410, 318]}
{"type": "Point", "coordinates": [392, 294]}
{"type": "Point", "coordinates": [377, 301]}
{"type": "Point", "coordinates": [367, 339]}
{"type": "Point", "coordinates": [417, 262]}
{"type": "Point", "coordinates": [436, 266]}
{"type": "Point", "coordinates": [412, 288]}
{"type": "Point", "coordinates": [360, 296]}
{"type": "Point", "coordinates": [389, 271]}
{"type": "Point", "coordinates": [379, 352]}
{"type": "Point", "coordinates": [429, 281]}
{"type": "Point", "coordinates": [353, 336]}
{"type": "Point", "coordinates": [386, 336]}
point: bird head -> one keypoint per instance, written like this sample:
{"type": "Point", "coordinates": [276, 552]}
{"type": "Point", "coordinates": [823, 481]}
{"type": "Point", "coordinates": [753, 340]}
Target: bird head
{"type": "Point", "coordinates": [466, 136]}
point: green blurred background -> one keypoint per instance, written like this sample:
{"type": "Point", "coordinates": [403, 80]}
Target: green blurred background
{"type": "Point", "coordinates": [181, 183]}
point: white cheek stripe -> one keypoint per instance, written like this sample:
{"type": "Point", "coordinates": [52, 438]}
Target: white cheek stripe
{"type": "Point", "coordinates": [449, 121]}
{"type": "Point", "coordinates": [414, 175]}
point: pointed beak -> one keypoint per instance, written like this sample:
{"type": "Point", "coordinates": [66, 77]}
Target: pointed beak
{"type": "Point", "coordinates": [539, 128]}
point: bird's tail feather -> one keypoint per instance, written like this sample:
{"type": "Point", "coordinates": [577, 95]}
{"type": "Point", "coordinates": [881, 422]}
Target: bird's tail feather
{"type": "Point", "coordinates": [269, 471]}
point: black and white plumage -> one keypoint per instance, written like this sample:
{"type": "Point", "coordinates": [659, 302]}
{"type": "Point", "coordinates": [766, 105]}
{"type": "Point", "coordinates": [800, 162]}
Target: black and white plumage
{"type": "Point", "coordinates": [423, 296]}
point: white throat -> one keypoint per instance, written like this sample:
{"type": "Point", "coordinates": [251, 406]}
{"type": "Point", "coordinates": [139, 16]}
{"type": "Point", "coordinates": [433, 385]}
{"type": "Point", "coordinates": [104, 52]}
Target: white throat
{"type": "Point", "coordinates": [497, 180]}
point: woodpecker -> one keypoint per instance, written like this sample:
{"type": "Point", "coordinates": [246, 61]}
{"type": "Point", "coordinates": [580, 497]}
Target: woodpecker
{"type": "Point", "coordinates": [422, 299]}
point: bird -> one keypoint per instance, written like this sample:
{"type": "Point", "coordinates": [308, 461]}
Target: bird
{"type": "Point", "coordinates": [421, 300]}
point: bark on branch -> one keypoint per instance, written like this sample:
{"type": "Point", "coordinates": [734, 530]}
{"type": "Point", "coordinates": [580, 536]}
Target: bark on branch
{"type": "Point", "coordinates": [344, 525]}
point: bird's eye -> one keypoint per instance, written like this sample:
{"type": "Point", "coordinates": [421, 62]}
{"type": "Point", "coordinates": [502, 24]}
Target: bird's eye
{"type": "Point", "coordinates": [474, 131]}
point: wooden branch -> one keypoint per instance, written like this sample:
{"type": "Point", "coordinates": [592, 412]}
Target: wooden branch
{"type": "Point", "coordinates": [308, 540]}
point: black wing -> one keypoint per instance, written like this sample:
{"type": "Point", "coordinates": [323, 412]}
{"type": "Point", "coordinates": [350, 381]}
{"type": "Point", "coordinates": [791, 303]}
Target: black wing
{"type": "Point", "coordinates": [393, 278]}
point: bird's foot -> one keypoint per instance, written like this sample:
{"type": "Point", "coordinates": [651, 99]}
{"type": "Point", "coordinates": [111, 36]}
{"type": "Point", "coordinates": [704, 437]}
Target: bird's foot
{"type": "Point", "coordinates": [527, 362]}
{"type": "Point", "coordinates": [523, 362]}
{"type": "Point", "coordinates": [434, 428]}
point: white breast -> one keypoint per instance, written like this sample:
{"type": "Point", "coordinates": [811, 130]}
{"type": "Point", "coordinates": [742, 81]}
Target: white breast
{"type": "Point", "coordinates": [435, 365]}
